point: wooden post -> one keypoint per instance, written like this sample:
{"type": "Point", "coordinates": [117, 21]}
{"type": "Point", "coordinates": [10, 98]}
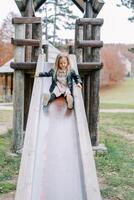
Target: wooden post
{"type": "Point", "coordinates": [71, 49]}
{"type": "Point", "coordinates": [11, 86]}
{"type": "Point", "coordinates": [28, 13]}
{"type": "Point", "coordinates": [18, 93]}
{"type": "Point", "coordinates": [91, 79]}
{"type": "Point", "coordinates": [28, 92]}
{"type": "Point", "coordinates": [94, 94]}
{"type": "Point", "coordinates": [87, 57]}
{"type": "Point", "coordinates": [37, 34]}
{"type": "Point", "coordinates": [5, 91]}
{"type": "Point", "coordinates": [78, 37]}
{"type": "Point", "coordinates": [45, 51]}
{"type": "Point", "coordinates": [28, 58]}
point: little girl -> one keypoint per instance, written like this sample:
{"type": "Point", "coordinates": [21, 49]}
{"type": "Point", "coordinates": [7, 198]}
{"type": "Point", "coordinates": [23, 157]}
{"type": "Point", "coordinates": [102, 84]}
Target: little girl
{"type": "Point", "coordinates": [62, 80]}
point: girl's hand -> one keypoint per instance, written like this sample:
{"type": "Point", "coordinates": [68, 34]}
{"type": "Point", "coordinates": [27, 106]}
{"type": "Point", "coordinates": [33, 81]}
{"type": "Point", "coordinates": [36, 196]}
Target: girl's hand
{"type": "Point", "coordinates": [79, 85]}
{"type": "Point", "coordinates": [36, 75]}
{"type": "Point", "coordinates": [40, 74]}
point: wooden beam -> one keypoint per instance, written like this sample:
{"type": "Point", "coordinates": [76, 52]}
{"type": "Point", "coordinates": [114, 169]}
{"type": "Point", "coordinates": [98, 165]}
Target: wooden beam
{"type": "Point", "coordinates": [23, 65]}
{"type": "Point", "coordinates": [91, 21]}
{"type": "Point", "coordinates": [97, 5]}
{"type": "Point", "coordinates": [26, 20]}
{"type": "Point", "coordinates": [21, 4]}
{"type": "Point", "coordinates": [89, 43]}
{"type": "Point", "coordinates": [90, 66]}
{"type": "Point", "coordinates": [79, 4]}
{"type": "Point", "coordinates": [25, 42]}
{"type": "Point", "coordinates": [38, 4]}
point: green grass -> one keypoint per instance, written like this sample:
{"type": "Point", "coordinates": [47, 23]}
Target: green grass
{"type": "Point", "coordinates": [116, 168]}
{"type": "Point", "coordinates": [7, 187]}
{"type": "Point", "coordinates": [121, 96]}
{"type": "Point", "coordinates": [9, 164]}
{"type": "Point", "coordinates": [6, 116]}
{"type": "Point", "coordinates": [116, 106]}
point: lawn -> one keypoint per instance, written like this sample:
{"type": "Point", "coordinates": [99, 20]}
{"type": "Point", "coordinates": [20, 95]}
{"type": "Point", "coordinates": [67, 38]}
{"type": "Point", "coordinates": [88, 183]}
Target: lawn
{"type": "Point", "coordinates": [116, 167]}
{"type": "Point", "coordinates": [6, 116]}
{"type": "Point", "coordinates": [121, 96]}
{"type": "Point", "coordinates": [9, 164]}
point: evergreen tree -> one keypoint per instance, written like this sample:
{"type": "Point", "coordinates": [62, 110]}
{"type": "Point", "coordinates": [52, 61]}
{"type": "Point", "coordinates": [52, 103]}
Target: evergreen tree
{"type": "Point", "coordinates": [7, 29]}
{"type": "Point", "coordinates": [129, 4]}
{"type": "Point", "coordinates": [57, 15]}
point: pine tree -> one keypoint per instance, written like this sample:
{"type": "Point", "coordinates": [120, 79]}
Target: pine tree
{"type": "Point", "coordinates": [129, 4]}
{"type": "Point", "coordinates": [7, 29]}
{"type": "Point", "coordinates": [58, 15]}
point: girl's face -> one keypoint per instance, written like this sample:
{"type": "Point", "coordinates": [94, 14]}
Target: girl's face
{"type": "Point", "coordinates": [63, 63]}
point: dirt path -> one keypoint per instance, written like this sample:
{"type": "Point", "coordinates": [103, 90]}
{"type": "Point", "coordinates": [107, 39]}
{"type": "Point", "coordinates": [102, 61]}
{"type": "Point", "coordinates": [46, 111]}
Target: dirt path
{"type": "Point", "coordinates": [9, 196]}
{"type": "Point", "coordinates": [117, 110]}
{"type": "Point", "coordinates": [4, 128]}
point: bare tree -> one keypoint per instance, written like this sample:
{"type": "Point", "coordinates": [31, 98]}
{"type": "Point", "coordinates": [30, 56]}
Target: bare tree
{"type": "Point", "coordinates": [7, 29]}
{"type": "Point", "coordinates": [57, 16]}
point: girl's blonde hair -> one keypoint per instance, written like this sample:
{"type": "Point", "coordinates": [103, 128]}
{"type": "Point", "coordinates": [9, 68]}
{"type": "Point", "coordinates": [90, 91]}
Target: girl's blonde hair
{"type": "Point", "coordinates": [59, 56]}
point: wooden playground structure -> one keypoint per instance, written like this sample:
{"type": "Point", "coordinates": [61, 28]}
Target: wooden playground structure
{"type": "Point", "coordinates": [28, 42]}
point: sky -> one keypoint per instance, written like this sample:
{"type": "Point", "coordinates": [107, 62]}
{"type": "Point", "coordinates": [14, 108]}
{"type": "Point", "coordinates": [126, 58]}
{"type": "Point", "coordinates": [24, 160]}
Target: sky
{"type": "Point", "coordinates": [116, 27]}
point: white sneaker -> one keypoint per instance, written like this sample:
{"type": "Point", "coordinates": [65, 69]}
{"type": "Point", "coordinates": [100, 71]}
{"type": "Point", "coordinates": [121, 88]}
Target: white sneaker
{"type": "Point", "coordinates": [46, 98]}
{"type": "Point", "coordinates": [69, 99]}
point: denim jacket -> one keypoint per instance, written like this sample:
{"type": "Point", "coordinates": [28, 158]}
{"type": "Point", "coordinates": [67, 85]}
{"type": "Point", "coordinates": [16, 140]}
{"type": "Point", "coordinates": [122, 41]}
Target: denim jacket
{"type": "Point", "coordinates": [70, 77]}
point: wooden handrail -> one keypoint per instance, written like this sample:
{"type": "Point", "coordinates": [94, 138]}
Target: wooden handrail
{"type": "Point", "coordinates": [25, 42]}
{"type": "Point", "coordinates": [23, 65]}
{"type": "Point", "coordinates": [91, 21]}
{"type": "Point", "coordinates": [26, 20]}
{"type": "Point", "coordinates": [90, 66]}
{"type": "Point", "coordinates": [89, 43]}
{"type": "Point", "coordinates": [91, 185]}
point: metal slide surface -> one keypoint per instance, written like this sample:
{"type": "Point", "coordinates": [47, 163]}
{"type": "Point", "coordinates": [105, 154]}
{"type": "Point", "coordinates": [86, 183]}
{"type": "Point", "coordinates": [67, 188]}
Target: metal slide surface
{"type": "Point", "coordinates": [55, 158]}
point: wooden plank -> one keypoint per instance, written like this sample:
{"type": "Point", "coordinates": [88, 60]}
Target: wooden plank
{"type": "Point", "coordinates": [25, 42]}
{"type": "Point", "coordinates": [23, 65]}
{"type": "Point", "coordinates": [89, 43]}
{"type": "Point", "coordinates": [26, 20]}
{"type": "Point", "coordinates": [90, 66]}
{"type": "Point", "coordinates": [24, 186]}
{"type": "Point", "coordinates": [91, 21]}
{"type": "Point", "coordinates": [91, 185]}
